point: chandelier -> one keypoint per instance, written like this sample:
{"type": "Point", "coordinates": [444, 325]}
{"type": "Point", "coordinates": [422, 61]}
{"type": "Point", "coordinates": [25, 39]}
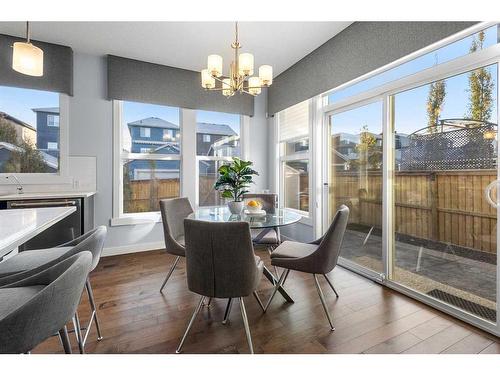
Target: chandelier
{"type": "Point", "coordinates": [240, 73]}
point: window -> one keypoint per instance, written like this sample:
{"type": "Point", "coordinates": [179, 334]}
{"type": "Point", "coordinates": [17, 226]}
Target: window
{"type": "Point", "coordinates": [441, 55]}
{"type": "Point", "coordinates": [217, 140]}
{"type": "Point", "coordinates": [28, 144]}
{"type": "Point", "coordinates": [169, 135]}
{"type": "Point", "coordinates": [53, 120]}
{"type": "Point", "coordinates": [150, 170]}
{"type": "Point", "coordinates": [293, 128]}
{"type": "Point", "coordinates": [52, 146]}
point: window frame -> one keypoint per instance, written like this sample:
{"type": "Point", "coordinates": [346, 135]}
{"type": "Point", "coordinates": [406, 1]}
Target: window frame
{"type": "Point", "coordinates": [189, 161]}
{"type": "Point", "coordinates": [244, 128]}
{"type": "Point", "coordinates": [119, 217]}
{"type": "Point", "coordinates": [384, 93]}
{"type": "Point", "coordinates": [62, 176]}
{"type": "Point", "coordinates": [307, 216]}
{"type": "Point", "coordinates": [53, 122]}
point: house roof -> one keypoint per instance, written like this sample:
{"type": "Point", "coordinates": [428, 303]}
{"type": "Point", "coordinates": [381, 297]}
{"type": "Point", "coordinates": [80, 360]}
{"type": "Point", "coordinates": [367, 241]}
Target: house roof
{"type": "Point", "coordinates": [54, 110]}
{"type": "Point", "coordinates": [48, 159]}
{"type": "Point", "coordinates": [154, 122]}
{"type": "Point", "coordinates": [201, 127]}
{"type": "Point", "coordinates": [219, 129]}
{"type": "Point", "coordinates": [15, 120]}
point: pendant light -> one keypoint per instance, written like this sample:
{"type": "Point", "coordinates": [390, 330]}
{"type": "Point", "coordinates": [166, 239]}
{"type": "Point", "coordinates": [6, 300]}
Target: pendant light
{"type": "Point", "coordinates": [27, 58]}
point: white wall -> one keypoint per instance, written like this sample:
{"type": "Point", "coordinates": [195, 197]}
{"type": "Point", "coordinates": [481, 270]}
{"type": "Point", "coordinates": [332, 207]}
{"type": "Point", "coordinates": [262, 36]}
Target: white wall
{"type": "Point", "coordinates": [91, 135]}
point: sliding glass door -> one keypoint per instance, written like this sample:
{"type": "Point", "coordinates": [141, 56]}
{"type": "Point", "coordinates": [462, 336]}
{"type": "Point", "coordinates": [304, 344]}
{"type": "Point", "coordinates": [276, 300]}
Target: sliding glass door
{"type": "Point", "coordinates": [445, 156]}
{"type": "Point", "coordinates": [355, 179]}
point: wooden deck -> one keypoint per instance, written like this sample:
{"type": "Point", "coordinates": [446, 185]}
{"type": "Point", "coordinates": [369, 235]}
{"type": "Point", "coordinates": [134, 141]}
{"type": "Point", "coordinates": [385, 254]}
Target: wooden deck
{"type": "Point", "coordinates": [369, 318]}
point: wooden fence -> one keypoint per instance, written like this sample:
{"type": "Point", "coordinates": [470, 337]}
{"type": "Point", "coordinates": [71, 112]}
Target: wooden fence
{"type": "Point", "coordinates": [144, 195]}
{"type": "Point", "coordinates": [444, 206]}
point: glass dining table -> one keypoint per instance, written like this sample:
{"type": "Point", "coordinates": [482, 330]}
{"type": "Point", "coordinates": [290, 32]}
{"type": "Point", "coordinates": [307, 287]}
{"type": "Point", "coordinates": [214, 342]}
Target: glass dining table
{"type": "Point", "coordinates": [270, 221]}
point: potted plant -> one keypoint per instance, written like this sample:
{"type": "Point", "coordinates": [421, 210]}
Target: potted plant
{"type": "Point", "coordinates": [233, 182]}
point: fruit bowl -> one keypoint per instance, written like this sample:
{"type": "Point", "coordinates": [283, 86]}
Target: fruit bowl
{"type": "Point", "coordinates": [253, 206]}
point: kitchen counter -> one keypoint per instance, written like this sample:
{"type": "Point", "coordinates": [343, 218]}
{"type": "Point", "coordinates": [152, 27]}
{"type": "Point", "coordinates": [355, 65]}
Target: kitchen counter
{"type": "Point", "coordinates": [19, 226]}
{"type": "Point", "coordinates": [49, 195]}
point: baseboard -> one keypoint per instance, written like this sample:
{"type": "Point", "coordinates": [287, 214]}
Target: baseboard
{"type": "Point", "coordinates": [135, 248]}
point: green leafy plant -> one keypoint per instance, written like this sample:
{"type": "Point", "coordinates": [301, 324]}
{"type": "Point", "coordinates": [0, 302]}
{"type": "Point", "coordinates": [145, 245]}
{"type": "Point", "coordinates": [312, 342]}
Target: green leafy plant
{"type": "Point", "coordinates": [234, 179]}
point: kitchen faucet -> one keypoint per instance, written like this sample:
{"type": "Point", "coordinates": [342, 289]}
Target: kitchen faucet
{"type": "Point", "coordinates": [19, 186]}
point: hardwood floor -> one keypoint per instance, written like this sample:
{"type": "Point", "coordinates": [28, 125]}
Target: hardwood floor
{"type": "Point", "coordinates": [136, 318]}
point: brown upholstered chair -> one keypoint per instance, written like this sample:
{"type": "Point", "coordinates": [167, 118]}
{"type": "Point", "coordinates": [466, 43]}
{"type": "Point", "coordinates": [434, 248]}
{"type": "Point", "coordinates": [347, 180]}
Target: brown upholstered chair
{"type": "Point", "coordinates": [317, 258]}
{"type": "Point", "coordinates": [220, 263]}
{"type": "Point", "coordinates": [173, 213]}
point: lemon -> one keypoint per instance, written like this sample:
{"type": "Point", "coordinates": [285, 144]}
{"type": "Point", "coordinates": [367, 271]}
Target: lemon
{"type": "Point", "coordinates": [253, 203]}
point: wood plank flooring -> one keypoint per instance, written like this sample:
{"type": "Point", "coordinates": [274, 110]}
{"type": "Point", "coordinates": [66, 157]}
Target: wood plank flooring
{"type": "Point", "coordinates": [136, 318]}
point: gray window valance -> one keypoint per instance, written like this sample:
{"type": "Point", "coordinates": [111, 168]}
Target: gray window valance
{"type": "Point", "coordinates": [57, 67]}
{"type": "Point", "coordinates": [145, 82]}
{"type": "Point", "coordinates": [357, 50]}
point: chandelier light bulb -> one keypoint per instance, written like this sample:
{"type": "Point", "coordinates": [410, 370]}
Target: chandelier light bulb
{"type": "Point", "coordinates": [214, 65]}
{"type": "Point", "coordinates": [245, 64]}
{"type": "Point", "coordinates": [207, 81]}
{"type": "Point", "coordinates": [226, 87]}
{"type": "Point", "coordinates": [266, 75]}
{"type": "Point", "coordinates": [254, 85]}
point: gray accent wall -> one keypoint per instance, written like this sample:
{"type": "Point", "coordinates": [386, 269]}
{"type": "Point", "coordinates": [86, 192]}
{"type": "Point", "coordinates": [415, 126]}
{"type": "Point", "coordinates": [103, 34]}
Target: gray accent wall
{"type": "Point", "coordinates": [57, 67]}
{"type": "Point", "coordinates": [359, 49]}
{"type": "Point", "coordinates": [91, 134]}
{"type": "Point", "coordinates": [145, 82]}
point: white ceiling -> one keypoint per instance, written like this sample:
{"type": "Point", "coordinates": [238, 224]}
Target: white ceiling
{"type": "Point", "coordinates": [186, 44]}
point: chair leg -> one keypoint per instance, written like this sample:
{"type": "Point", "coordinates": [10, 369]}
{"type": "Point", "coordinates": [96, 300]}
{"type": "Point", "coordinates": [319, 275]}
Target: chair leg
{"type": "Point", "coordinates": [323, 302]}
{"type": "Point", "coordinates": [78, 333]}
{"type": "Point", "coordinates": [170, 272]}
{"type": "Point", "coordinates": [94, 310]}
{"type": "Point", "coordinates": [196, 311]}
{"type": "Point", "coordinates": [208, 303]}
{"type": "Point", "coordinates": [258, 300]}
{"type": "Point", "coordinates": [63, 335]}
{"type": "Point", "coordinates": [331, 285]}
{"type": "Point", "coordinates": [228, 310]}
{"type": "Point", "coordinates": [245, 323]}
{"type": "Point", "coordinates": [276, 287]}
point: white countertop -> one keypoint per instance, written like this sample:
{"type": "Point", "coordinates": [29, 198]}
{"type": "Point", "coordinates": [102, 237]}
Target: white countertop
{"type": "Point", "coordinates": [54, 194]}
{"type": "Point", "coordinates": [19, 226]}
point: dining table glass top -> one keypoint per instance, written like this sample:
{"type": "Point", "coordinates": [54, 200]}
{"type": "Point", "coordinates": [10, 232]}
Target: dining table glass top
{"type": "Point", "coordinates": [280, 218]}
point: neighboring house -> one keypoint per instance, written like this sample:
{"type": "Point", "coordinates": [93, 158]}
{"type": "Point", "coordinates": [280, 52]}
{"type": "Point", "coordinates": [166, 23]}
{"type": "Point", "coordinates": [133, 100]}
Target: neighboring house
{"type": "Point", "coordinates": [25, 132]}
{"type": "Point", "coordinates": [155, 135]}
{"type": "Point", "coordinates": [6, 150]}
{"type": "Point", "coordinates": [47, 126]}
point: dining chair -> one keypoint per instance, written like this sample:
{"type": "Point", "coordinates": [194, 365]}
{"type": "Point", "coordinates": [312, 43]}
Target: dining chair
{"type": "Point", "coordinates": [31, 262]}
{"type": "Point", "coordinates": [173, 213]}
{"type": "Point", "coordinates": [317, 258]}
{"type": "Point", "coordinates": [270, 238]}
{"type": "Point", "coordinates": [220, 263]}
{"type": "Point", "coordinates": [33, 309]}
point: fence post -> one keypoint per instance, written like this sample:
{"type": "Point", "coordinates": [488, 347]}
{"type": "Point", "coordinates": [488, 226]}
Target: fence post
{"type": "Point", "coordinates": [434, 209]}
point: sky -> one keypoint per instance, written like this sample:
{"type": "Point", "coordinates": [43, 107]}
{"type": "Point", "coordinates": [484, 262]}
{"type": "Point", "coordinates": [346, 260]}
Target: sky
{"type": "Point", "coordinates": [410, 105]}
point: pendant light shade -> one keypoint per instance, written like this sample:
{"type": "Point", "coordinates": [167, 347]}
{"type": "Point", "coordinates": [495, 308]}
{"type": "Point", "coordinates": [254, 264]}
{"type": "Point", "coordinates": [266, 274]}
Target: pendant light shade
{"type": "Point", "coordinates": [27, 58]}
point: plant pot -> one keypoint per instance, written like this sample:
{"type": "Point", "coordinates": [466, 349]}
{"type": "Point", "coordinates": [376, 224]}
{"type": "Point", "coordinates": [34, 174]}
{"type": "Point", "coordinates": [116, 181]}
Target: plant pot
{"type": "Point", "coordinates": [235, 207]}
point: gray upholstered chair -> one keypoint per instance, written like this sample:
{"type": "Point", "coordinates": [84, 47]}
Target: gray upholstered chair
{"type": "Point", "coordinates": [220, 263]}
{"type": "Point", "coordinates": [268, 237]}
{"type": "Point", "coordinates": [173, 213]}
{"type": "Point", "coordinates": [317, 258]}
{"type": "Point", "coordinates": [31, 262]}
{"type": "Point", "coordinates": [33, 309]}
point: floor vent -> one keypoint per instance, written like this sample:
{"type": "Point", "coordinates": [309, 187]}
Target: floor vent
{"type": "Point", "coordinates": [472, 307]}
